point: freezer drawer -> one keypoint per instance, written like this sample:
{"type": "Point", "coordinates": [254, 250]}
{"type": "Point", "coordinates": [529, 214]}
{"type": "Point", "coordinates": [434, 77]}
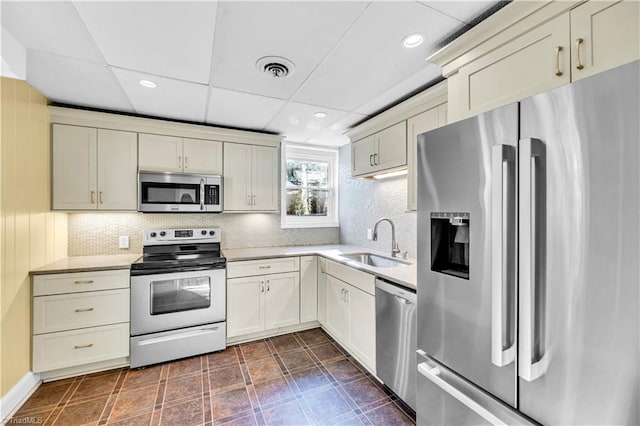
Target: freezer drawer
{"type": "Point", "coordinates": [444, 398]}
{"type": "Point", "coordinates": [396, 339]}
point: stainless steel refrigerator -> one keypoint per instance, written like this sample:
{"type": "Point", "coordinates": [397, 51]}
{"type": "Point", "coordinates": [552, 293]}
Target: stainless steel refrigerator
{"type": "Point", "coordinates": [528, 254]}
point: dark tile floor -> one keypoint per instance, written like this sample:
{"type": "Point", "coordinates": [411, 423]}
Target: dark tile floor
{"type": "Point", "coordinates": [296, 379]}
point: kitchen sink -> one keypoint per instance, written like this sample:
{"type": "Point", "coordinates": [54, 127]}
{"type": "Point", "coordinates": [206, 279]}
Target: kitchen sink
{"type": "Point", "coordinates": [375, 260]}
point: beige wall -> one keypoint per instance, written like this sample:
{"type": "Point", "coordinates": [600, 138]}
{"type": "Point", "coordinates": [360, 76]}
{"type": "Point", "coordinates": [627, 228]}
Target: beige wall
{"type": "Point", "coordinates": [30, 234]}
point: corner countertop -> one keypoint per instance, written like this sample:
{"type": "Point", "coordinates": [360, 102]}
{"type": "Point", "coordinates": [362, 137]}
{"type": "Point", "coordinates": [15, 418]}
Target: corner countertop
{"type": "Point", "coordinates": [405, 275]}
{"type": "Point", "coordinates": [87, 264]}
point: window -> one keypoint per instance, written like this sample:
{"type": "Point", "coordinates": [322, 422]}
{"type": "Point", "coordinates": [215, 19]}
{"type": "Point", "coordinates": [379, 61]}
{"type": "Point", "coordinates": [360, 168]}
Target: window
{"type": "Point", "coordinates": [309, 190]}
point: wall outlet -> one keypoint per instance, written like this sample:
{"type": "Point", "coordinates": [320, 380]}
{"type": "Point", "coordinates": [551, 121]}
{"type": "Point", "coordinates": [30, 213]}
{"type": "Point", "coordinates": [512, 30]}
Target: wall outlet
{"type": "Point", "coordinates": [369, 234]}
{"type": "Point", "coordinates": [123, 242]}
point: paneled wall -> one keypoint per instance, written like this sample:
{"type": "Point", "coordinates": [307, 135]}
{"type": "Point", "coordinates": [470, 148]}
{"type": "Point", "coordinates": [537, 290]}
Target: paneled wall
{"type": "Point", "coordinates": [30, 234]}
{"type": "Point", "coordinates": [364, 201]}
{"type": "Point", "coordinates": [97, 233]}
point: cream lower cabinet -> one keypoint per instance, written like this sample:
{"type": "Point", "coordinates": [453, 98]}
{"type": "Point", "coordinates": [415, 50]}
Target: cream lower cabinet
{"type": "Point", "coordinates": [322, 285]}
{"type": "Point", "coordinates": [351, 311]}
{"type": "Point", "coordinates": [308, 288]}
{"type": "Point", "coordinates": [250, 177]}
{"type": "Point", "coordinates": [80, 319]}
{"type": "Point", "coordinates": [94, 169]}
{"type": "Point", "coordinates": [262, 295]}
{"type": "Point", "coordinates": [183, 155]}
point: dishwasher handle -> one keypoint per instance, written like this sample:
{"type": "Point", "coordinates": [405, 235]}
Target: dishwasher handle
{"type": "Point", "coordinates": [406, 295]}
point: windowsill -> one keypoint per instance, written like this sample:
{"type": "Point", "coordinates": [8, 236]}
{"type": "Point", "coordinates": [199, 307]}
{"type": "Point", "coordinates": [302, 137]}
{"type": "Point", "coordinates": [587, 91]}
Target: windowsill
{"type": "Point", "coordinates": [310, 225]}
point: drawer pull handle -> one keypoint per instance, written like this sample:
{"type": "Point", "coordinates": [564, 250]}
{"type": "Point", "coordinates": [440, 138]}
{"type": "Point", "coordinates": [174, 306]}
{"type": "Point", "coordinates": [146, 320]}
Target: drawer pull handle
{"type": "Point", "coordinates": [558, 50]}
{"type": "Point", "coordinates": [84, 310]}
{"type": "Point", "coordinates": [83, 346]}
{"type": "Point", "coordinates": [579, 41]}
{"type": "Point", "coordinates": [264, 267]}
{"type": "Point", "coordinates": [83, 282]}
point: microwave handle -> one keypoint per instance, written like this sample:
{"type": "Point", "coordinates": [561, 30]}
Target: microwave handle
{"type": "Point", "coordinates": [201, 193]}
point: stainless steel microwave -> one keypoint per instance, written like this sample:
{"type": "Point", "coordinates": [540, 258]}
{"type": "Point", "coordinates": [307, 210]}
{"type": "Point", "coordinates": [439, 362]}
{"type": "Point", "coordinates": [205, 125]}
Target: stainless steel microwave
{"type": "Point", "coordinates": [179, 193]}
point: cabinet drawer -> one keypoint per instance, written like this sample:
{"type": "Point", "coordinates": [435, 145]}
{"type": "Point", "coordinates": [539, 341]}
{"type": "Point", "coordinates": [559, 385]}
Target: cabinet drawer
{"type": "Point", "coordinates": [44, 285]}
{"type": "Point", "coordinates": [250, 268]}
{"type": "Point", "coordinates": [79, 310]}
{"type": "Point", "coordinates": [72, 348]}
{"type": "Point", "coordinates": [359, 279]}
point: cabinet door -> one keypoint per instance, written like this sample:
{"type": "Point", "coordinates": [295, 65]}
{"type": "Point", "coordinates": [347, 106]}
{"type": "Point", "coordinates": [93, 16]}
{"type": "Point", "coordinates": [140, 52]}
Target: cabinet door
{"type": "Point", "coordinates": [160, 153]}
{"type": "Point", "coordinates": [74, 167]}
{"type": "Point", "coordinates": [265, 178]}
{"type": "Point", "coordinates": [245, 305]}
{"type": "Point", "coordinates": [282, 303]}
{"type": "Point", "coordinates": [362, 156]}
{"type": "Point", "coordinates": [421, 123]}
{"type": "Point", "coordinates": [391, 147]}
{"type": "Point", "coordinates": [322, 286]}
{"type": "Point", "coordinates": [523, 67]}
{"type": "Point", "coordinates": [362, 326]}
{"type": "Point", "coordinates": [202, 156]}
{"type": "Point", "coordinates": [337, 316]}
{"type": "Point", "coordinates": [237, 177]}
{"type": "Point", "coordinates": [308, 288]}
{"type": "Point", "coordinates": [610, 33]}
{"type": "Point", "coordinates": [117, 170]}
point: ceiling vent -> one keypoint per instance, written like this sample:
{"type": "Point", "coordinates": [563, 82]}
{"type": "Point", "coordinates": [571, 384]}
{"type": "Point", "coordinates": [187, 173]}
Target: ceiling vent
{"type": "Point", "coordinates": [275, 66]}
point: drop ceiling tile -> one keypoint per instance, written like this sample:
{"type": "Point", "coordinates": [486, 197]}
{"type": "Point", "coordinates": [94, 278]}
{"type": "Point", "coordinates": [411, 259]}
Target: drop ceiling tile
{"type": "Point", "coordinates": [370, 58]}
{"type": "Point", "coordinates": [302, 31]}
{"type": "Point", "coordinates": [464, 11]}
{"type": "Point", "coordinates": [49, 26]}
{"type": "Point", "coordinates": [71, 81]}
{"type": "Point", "coordinates": [408, 85]}
{"type": "Point", "coordinates": [167, 38]}
{"type": "Point", "coordinates": [242, 110]}
{"type": "Point", "coordinates": [171, 98]}
{"type": "Point", "coordinates": [297, 122]}
{"type": "Point", "coordinates": [333, 136]}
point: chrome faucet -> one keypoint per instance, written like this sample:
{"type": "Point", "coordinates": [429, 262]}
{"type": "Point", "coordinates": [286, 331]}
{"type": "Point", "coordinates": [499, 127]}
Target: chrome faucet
{"type": "Point", "coordinates": [395, 250]}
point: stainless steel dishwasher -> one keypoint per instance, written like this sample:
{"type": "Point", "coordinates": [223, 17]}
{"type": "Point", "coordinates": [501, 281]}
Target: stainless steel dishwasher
{"type": "Point", "coordinates": [396, 339]}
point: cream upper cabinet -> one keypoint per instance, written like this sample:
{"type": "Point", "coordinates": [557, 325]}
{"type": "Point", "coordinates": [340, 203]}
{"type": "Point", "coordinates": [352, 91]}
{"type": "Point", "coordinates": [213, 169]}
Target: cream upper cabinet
{"type": "Point", "coordinates": [182, 155]}
{"type": "Point", "coordinates": [604, 35]}
{"type": "Point", "coordinates": [75, 166]}
{"type": "Point", "coordinates": [250, 177]}
{"type": "Point", "coordinates": [384, 150]}
{"type": "Point", "coordinates": [535, 62]}
{"type": "Point", "coordinates": [308, 288]}
{"type": "Point", "coordinates": [428, 120]}
{"type": "Point", "coordinates": [94, 169]}
{"type": "Point", "coordinates": [117, 170]}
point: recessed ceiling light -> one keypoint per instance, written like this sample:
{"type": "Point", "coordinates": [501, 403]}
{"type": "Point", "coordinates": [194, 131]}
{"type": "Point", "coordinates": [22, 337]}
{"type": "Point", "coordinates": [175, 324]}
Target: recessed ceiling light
{"type": "Point", "coordinates": [320, 114]}
{"type": "Point", "coordinates": [412, 40]}
{"type": "Point", "coordinates": [147, 83]}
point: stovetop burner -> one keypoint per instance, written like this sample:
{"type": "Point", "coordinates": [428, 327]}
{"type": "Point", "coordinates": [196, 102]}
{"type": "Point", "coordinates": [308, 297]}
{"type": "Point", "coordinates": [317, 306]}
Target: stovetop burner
{"type": "Point", "coordinates": [179, 250]}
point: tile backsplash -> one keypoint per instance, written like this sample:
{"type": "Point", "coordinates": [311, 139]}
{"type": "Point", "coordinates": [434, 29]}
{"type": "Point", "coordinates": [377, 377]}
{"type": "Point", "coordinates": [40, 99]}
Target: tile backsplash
{"type": "Point", "coordinates": [97, 233]}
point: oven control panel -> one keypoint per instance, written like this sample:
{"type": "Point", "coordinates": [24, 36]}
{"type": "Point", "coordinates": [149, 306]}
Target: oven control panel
{"type": "Point", "coordinates": [152, 237]}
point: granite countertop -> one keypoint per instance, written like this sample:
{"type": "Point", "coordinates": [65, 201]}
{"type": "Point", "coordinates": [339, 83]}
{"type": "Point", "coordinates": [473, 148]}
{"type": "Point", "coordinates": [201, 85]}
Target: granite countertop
{"type": "Point", "coordinates": [87, 263]}
{"type": "Point", "coordinates": [405, 275]}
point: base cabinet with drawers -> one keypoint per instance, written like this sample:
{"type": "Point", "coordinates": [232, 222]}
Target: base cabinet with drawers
{"type": "Point", "coordinates": [351, 311]}
{"type": "Point", "coordinates": [80, 319]}
{"type": "Point", "coordinates": [262, 295]}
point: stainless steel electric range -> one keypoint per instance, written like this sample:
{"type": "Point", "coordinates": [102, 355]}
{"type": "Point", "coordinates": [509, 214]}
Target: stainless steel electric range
{"type": "Point", "coordinates": [178, 296]}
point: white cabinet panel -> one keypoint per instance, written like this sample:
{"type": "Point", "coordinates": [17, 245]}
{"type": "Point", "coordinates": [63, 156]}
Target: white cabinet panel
{"type": "Point", "coordinates": [245, 306]}
{"type": "Point", "coordinates": [391, 147]}
{"type": "Point", "coordinates": [362, 152]}
{"type": "Point", "coordinates": [160, 153]}
{"type": "Point", "coordinates": [237, 177]}
{"type": "Point", "coordinates": [362, 280]}
{"type": "Point", "coordinates": [202, 156]}
{"type": "Point", "coordinates": [308, 288]}
{"type": "Point", "coordinates": [362, 326]}
{"type": "Point", "coordinates": [117, 170]}
{"type": "Point", "coordinates": [282, 300]}
{"type": "Point", "coordinates": [247, 268]}
{"type": "Point", "coordinates": [74, 167]}
{"type": "Point", "coordinates": [49, 284]}
{"type": "Point", "coordinates": [337, 315]}
{"type": "Point", "coordinates": [265, 178]}
{"type": "Point", "coordinates": [322, 285]}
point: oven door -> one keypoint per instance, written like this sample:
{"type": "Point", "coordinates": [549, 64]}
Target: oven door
{"type": "Point", "coordinates": [173, 300]}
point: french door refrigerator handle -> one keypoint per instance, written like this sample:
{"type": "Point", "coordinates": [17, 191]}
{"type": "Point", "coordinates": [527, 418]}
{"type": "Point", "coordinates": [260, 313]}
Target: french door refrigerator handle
{"type": "Point", "coordinates": [503, 348]}
{"type": "Point", "coordinates": [530, 151]}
